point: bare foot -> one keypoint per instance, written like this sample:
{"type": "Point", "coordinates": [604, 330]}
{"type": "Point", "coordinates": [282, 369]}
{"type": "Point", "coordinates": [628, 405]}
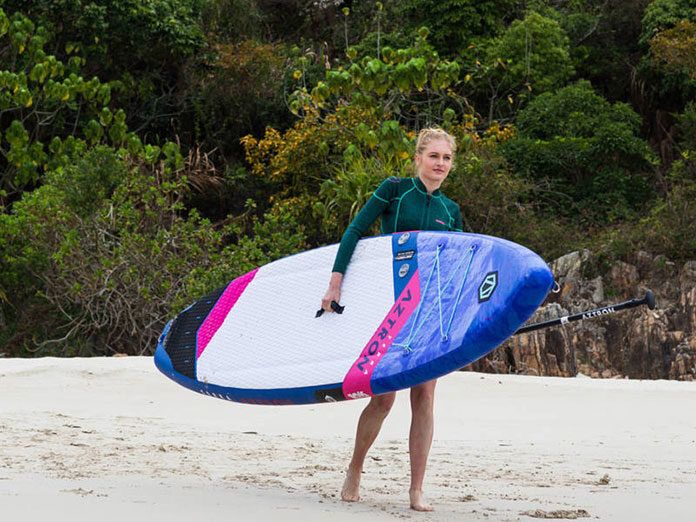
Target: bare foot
{"type": "Point", "coordinates": [417, 502]}
{"type": "Point", "coordinates": [351, 487]}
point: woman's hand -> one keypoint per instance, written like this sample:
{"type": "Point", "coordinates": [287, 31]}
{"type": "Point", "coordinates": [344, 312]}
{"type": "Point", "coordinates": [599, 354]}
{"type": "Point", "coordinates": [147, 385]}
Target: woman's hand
{"type": "Point", "coordinates": [334, 291]}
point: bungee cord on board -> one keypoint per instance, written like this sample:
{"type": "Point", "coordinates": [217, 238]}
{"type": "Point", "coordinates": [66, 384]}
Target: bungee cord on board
{"type": "Point", "coordinates": [444, 332]}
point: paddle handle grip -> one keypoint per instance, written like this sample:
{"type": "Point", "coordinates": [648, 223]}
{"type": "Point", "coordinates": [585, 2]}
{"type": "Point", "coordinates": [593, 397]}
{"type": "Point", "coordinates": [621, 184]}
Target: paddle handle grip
{"type": "Point", "coordinates": [648, 300]}
{"type": "Point", "coordinates": [334, 306]}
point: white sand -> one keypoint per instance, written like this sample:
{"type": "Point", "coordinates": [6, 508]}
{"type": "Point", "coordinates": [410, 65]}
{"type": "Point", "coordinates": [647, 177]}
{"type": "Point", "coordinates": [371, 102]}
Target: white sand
{"type": "Point", "coordinates": [112, 439]}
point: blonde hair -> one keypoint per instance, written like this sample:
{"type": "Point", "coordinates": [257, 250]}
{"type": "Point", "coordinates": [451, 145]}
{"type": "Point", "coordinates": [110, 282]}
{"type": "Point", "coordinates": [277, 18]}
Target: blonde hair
{"type": "Point", "coordinates": [434, 133]}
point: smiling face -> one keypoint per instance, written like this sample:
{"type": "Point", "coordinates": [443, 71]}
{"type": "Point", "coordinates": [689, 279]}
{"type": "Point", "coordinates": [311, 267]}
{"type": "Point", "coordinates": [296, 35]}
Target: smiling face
{"type": "Point", "coordinates": [434, 163]}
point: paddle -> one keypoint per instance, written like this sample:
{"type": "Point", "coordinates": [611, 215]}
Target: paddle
{"type": "Point", "coordinates": [648, 300]}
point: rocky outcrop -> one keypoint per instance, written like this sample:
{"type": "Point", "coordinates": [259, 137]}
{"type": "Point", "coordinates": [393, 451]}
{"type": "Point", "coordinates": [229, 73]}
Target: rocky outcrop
{"type": "Point", "coordinates": [638, 343]}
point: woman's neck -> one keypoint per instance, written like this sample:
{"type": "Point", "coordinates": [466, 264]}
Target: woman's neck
{"type": "Point", "coordinates": [430, 186]}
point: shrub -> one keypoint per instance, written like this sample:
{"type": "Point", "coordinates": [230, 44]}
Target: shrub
{"type": "Point", "coordinates": [241, 94]}
{"type": "Point", "coordinates": [111, 271]}
{"type": "Point", "coordinates": [588, 150]}
{"type": "Point", "coordinates": [670, 227]}
{"type": "Point", "coordinates": [687, 127]}
{"type": "Point", "coordinates": [352, 125]}
{"type": "Point", "coordinates": [346, 192]}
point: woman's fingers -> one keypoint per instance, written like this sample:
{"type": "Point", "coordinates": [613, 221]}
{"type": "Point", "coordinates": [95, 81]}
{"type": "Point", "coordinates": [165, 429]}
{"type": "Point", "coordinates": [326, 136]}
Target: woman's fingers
{"type": "Point", "coordinates": [330, 296]}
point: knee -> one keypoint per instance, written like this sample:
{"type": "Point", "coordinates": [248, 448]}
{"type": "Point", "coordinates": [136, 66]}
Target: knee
{"type": "Point", "coordinates": [423, 395]}
{"type": "Point", "coordinates": [382, 404]}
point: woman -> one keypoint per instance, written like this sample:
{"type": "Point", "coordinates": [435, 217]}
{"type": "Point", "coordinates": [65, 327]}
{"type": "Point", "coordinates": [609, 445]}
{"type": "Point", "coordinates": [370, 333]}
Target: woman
{"type": "Point", "coordinates": [403, 204]}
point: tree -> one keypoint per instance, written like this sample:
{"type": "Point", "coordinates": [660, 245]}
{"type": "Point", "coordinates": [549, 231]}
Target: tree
{"type": "Point", "coordinates": [663, 85]}
{"type": "Point", "coordinates": [455, 24]}
{"type": "Point", "coordinates": [588, 150]}
{"type": "Point", "coordinates": [663, 14]}
{"type": "Point", "coordinates": [144, 44]}
{"type": "Point", "coordinates": [242, 94]}
{"type": "Point", "coordinates": [530, 58]}
{"type": "Point", "coordinates": [367, 102]}
{"type": "Point", "coordinates": [97, 249]}
{"type": "Point", "coordinates": [676, 47]}
{"type": "Point", "coordinates": [357, 122]}
{"type": "Point", "coordinates": [49, 111]}
{"type": "Point", "coordinates": [603, 39]}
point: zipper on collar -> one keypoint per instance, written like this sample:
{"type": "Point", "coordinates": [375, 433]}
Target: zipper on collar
{"type": "Point", "coordinates": [426, 211]}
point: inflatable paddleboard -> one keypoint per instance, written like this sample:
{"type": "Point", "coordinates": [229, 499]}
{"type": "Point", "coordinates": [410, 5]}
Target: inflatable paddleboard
{"type": "Point", "coordinates": [418, 305]}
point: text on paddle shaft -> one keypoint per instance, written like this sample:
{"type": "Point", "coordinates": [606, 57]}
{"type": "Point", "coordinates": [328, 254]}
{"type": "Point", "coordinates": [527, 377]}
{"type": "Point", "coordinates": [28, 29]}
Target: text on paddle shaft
{"type": "Point", "coordinates": [595, 313]}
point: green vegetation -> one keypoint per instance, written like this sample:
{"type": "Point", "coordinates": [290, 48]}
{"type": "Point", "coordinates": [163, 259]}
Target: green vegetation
{"type": "Point", "coordinates": [588, 151]}
{"type": "Point", "coordinates": [530, 58]}
{"type": "Point", "coordinates": [152, 150]}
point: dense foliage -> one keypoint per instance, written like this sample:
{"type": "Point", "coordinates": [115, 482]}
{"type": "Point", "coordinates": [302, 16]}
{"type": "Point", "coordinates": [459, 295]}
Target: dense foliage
{"type": "Point", "coordinates": [588, 151]}
{"type": "Point", "coordinates": [151, 150]}
{"type": "Point", "coordinates": [144, 44]}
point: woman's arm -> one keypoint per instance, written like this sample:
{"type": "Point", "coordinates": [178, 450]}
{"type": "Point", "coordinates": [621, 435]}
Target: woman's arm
{"type": "Point", "coordinates": [334, 291]}
{"type": "Point", "coordinates": [361, 224]}
{"type": "Point", "coordinates": [358, 227]}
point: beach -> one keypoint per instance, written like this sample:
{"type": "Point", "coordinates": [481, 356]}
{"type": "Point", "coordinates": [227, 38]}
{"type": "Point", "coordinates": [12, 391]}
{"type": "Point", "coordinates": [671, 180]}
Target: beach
{"type": "Point", "coordinates": [113, 439]}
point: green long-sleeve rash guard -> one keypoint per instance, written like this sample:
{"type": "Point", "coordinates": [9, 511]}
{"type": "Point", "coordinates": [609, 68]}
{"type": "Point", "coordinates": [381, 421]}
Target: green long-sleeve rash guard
{"type": "Point", "coordinates": [404, 205]}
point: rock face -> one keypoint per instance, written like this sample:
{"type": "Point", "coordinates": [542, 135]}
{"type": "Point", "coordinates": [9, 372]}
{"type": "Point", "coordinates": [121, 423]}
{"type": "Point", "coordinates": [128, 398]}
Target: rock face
{"type": "Point", "coordinates": [638, 343]}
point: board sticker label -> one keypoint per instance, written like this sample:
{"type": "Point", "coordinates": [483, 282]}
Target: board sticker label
{"type": "Point", "coordinates": [488, 286]}
{"type": "Point", "coordinates": [404, 255]}
{"type": "Point", "coordinates": [356, 384]}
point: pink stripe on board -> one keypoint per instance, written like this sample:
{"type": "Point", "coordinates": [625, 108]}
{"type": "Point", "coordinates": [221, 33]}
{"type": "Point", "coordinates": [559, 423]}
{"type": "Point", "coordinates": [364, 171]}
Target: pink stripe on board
{"type": "Point", "coordinates": [356, 384]}
{"type": "Point", "coordinates": [217, 315]}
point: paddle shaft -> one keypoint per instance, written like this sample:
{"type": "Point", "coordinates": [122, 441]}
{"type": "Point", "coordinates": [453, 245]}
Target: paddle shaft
{"type": "Point", "coordinates": [648, 300]}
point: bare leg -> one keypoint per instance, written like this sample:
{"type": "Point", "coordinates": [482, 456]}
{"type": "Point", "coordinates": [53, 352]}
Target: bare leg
{"type": "Point", "coordinates": [420, 439]}
{"type": "Point", "coordinates": [370, 422]}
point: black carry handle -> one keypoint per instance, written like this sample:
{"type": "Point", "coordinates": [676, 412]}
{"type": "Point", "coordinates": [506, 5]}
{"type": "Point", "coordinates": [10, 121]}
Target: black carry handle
{"type": "Point", "coordinates": [334, 306]}
{"type": "Point", "coordinates": [648, 300]}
